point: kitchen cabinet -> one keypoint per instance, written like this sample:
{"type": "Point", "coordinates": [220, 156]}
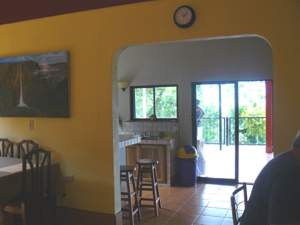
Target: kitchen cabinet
{"type": "Point", "coordinates": [156, 152]}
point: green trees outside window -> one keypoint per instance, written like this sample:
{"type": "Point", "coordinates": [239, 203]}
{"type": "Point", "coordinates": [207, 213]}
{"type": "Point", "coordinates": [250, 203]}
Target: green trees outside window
{"type": "Point", "coordinates": [252, 112]}
{"type": "Point", "coordinates": [158, 100]}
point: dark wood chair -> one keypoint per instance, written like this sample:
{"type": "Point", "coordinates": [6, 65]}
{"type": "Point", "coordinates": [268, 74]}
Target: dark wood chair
{"type": "Point", "coordinates": [25, 146]}
{"type": "Point", "coordinates": [36, 188]}
{"type": "Point", "coordinates": [237, 206]}
{"type": "Point", "coordinates": [6, 148]}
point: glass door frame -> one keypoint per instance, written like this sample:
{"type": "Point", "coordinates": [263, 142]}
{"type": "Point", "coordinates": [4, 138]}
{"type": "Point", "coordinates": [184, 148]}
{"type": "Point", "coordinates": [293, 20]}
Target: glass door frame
{"type": "Point", "coordinates": [194, 128]}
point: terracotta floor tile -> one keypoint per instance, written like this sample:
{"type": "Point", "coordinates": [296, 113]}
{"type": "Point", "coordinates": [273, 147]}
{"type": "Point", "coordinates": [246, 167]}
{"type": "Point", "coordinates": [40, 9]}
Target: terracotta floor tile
{"type": "Point", "coordinates": [223, 198]}
{"type": "Point", "coordinates": [164, 197]}
{"type": "Point", "coordinates": [151, 221]}
{"type": "Point", "coordinates": [192, 189]}
{"type": "Point", "coordinates": [176, 200]}
{"type": "Point", "coordinates": [227, 221]}
{"type": "Point", "coordinates": [165, 214]}
{"type": "Point", "coordinates": [197, 201]}
{"type": "Point", "coordinates": [171, 206]}
{"type": "Point", "coordinates": [229, 213]}
{"type": "Point", "coordinates": [191, 209]}
{"type": "Point", "coordinates": [208, 220]}
{"type": "Point", "coordinates": [202, 195]}
{"type": "Point", "coordinates": [219, 204]}
{"type": "Point", "coordinates": [177, 223]}
{"type": "Point", "coordinates": [145, 194]}
{"type": "Point", "coordinates": [224, 192]}
{"type": "Point", "coordinates": [212, 186]}
{"type": "Point", "coordinates": [168, 190]}
{"type": "Point", "coordinates": [208, 190]}
{"type": "Point", "coordinates": [182, 194]}
{"type": "Point", "coordinates": [214, 212]}
{"type": "Point", "coordinates": [203, 204]}
{"type": "Point", "coordinates": [184, 217]}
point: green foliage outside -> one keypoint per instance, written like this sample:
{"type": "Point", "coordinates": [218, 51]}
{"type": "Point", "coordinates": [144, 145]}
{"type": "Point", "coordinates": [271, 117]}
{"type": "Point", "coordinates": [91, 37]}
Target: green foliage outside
{"type": "Point", "coordinates": [165, 102]}
{"type": "Point", "coordinates": [252, 128]}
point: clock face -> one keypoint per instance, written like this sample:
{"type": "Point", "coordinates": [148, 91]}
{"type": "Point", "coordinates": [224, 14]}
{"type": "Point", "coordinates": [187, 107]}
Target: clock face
{"type": "Point", "coordinates": [184, 16]}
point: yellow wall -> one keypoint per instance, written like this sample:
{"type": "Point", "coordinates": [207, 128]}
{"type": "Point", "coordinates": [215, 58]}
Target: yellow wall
{"type": "Point", "coordinates": [84, 143]}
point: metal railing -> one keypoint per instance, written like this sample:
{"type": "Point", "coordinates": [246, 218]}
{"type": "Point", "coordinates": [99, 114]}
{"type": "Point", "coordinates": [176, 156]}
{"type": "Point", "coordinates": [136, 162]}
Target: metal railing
{"type": "Point", "coordinates": [252, 130]}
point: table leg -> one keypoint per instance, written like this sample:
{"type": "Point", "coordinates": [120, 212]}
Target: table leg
{"type": "Point", "coordinates": [1, 216]}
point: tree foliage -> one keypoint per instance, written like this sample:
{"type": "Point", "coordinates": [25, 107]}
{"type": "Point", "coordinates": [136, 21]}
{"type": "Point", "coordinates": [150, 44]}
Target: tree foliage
{"type": "Point", "coordinates": [164, 106]}
{"type": "Point", "coordinates": [252, 128]}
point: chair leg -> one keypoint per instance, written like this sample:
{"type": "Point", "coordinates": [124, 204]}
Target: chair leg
{"type": "Point", "coordinates": [41, 216]}
{"type": "Point", "coordinates": [154, 190]}
{"type": "Point", "coordinates": [156, 185]}
{"type": "Point", "coordinates": [16, 219]}
{"type": "Point", "coordinates": [137, 206]}
{"type": "Point", "coordinates": [139, 185]}
{"type": "Point", "coordinates": [129, 199]}
{"type": "Point", "coordinates": [24, 218]}
{"type": "Point", "coordinates": [53, 210]}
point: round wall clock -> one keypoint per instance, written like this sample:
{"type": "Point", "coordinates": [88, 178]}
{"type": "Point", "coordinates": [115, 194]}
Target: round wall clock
{"type": "Point", "coordinates": [184, 16]}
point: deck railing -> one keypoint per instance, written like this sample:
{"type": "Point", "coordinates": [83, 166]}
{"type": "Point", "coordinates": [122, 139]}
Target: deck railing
{"type": "Point", "coordinates": [252, 130]}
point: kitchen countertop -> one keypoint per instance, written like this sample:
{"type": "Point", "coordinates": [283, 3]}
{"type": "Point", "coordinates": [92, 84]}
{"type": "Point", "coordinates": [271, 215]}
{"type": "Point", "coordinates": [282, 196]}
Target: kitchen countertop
{"type": "Point", "coordinates": [125, 140]}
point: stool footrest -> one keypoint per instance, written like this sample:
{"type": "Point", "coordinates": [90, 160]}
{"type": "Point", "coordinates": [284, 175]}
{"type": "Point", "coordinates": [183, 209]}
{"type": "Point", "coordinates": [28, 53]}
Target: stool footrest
{"type": "Point", "coordinates": [148, 206]}
{"type": "Point", "coordinates": [147, 184]}
{"type": "Point", "coordinates": [149, 199]}
{"type": "Point", "coordinates": [146, 189]}
{"type": "Point", "coordinates": [125, 193]}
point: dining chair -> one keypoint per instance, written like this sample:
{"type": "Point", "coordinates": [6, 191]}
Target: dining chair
{"type": "Point", "coordinates": [237, 206]}
{"type": "Point", "coordinates": [6, 148]}
{"type": "Point", "coordinates": [36, 188]}
{"type": "Point", "coordinates": [25, 146]}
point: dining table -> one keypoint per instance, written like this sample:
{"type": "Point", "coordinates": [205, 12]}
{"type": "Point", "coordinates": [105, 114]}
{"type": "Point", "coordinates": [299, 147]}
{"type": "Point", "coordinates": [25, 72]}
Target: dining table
{"type": "Point", "coordinates": [11, 181]}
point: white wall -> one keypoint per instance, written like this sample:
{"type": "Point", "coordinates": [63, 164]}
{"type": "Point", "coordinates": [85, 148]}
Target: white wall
{"type": "Point", "coordinates": [224, 59]}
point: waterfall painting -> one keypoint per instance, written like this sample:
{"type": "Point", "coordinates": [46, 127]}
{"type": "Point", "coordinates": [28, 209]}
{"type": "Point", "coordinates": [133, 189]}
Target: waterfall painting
{"type": "Point", "coordinates": [35, 85]}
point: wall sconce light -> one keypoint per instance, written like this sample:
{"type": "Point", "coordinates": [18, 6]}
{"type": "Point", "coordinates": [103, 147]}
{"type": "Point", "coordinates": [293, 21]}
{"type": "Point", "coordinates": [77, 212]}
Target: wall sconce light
{"type": "Point", "coordinates": [123, 85]}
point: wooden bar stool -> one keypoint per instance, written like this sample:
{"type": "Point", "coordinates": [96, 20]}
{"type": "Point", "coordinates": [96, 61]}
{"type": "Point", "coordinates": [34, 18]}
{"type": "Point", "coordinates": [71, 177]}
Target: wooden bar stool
{"type": "Point", "coordinates": [146, 166]}
{"type": "Point", "coordinates": [126, 174]}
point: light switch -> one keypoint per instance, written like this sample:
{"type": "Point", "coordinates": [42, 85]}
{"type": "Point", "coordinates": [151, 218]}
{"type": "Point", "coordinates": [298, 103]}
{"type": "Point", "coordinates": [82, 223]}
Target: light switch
{"type": "Point", "coordinates": [69, 177]}
{"type": "Point", "coordinates": [187, 116]}
{"type": "Point", "coordinates": [31, 125]}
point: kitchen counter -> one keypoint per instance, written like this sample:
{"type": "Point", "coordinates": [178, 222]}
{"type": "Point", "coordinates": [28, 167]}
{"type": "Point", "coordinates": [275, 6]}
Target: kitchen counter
{"type": "Point", "coordinates": [125, 140]}
{"type": "Point", "coordinates": [161, 141]}
{"type": "Point", "coordinates": [170, 147]}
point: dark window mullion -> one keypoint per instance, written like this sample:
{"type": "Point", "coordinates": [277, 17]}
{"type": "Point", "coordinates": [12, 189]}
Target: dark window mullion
{"type": "Point", "coordinates": [154, 105]}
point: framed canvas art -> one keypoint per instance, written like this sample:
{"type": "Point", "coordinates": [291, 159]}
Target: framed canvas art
{"type": "Point", "coordinates": [35, 85]}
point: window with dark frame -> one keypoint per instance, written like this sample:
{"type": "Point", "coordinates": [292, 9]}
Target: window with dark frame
{"type": "Point", "coordinates": [161, 101]}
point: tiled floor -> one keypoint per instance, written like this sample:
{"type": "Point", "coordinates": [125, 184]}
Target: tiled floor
{"type": "Point", "coordinates": [203, 204]}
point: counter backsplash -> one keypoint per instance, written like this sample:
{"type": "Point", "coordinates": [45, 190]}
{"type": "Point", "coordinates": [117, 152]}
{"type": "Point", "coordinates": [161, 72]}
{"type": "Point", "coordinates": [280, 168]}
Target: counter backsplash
{"type": "Point", "coordinates": [129, 128]}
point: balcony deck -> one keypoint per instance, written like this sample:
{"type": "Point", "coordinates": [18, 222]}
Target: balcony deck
{"type": "Point", "coordinates": [220, 164]}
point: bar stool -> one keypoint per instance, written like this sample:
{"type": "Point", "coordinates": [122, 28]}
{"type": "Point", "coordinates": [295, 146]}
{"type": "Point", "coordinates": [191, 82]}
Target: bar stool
{"type": "Point", "coordinates": [148, 166]}
{"type": "Point", "coordinates": [126, 173]}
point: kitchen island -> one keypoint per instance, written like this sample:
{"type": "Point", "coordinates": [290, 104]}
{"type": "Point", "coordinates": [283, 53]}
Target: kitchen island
{"type": "Point", "coordinates": [164, 150]}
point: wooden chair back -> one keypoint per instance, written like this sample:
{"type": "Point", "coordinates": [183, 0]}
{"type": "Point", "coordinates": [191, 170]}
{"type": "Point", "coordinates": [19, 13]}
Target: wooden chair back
{"type": "Point", "coordinates": [6, 148]}
{"type": "Point", "coordinates": [36, 182]}
{"type": "Point", "coordinates": [25, 146]}
{"type": "Point", "coordinates": [236, 202]}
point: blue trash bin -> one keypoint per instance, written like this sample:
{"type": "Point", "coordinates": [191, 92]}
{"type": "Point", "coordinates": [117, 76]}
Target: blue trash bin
{"type": "Point", "coordinates": [187, 165]}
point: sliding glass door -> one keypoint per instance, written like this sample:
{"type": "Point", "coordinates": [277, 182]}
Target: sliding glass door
{"type": "Point", "coordinates": [212, 133]}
